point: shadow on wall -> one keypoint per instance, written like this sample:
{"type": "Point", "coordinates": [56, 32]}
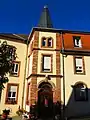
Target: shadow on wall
{"type": "Point", "coordinates": [78, 103]}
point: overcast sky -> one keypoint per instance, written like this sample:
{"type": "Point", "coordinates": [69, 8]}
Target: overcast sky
{"type": "Point", "coordinates": [19, 16]}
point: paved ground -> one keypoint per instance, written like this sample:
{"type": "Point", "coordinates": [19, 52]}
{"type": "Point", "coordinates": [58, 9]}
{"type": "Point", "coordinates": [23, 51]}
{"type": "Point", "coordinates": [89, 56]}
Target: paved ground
{"type": "Point", "coordinates": [16, 118]}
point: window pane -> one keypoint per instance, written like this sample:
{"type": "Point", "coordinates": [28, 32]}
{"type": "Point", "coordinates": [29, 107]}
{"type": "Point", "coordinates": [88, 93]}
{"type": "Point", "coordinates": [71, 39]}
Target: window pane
{"type": "Point", "coordinates": [9, 94]}
{"type": "Point", "coordinates": [50, 42]}
{"type": "Point", "coordinates": [44, 42]}
{"type": "Point", "coordinates": [13, 67]}
{"type": "Point", "coordinates": [47, 62]}
{"type": "Point", "coordinates": [79, 62]}
{"type": "Point", "coordinates": [16, 67]}
{"type": "Point", "coordinates": [14, 94]}
{"type": "Point", "coordinates": [13, 88]}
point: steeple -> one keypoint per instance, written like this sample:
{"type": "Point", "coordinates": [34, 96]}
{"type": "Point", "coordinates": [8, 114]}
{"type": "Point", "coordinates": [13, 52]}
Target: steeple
{"type": "Point", "coordinates": [45, 20]}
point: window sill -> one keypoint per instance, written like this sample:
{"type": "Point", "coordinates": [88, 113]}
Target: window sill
{"type": "Point", "coordinates": [14, 75]}
{"type": "Point", "coordinates": [46, 71]}
{"type": "Point", "coordinates": [10, 102]}
{"type": "Point", "coordinates": [83, 73]}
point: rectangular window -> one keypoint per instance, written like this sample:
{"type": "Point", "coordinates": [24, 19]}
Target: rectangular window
{"type": "Point", "coordinates": [15, 69]}
{"type": "Point", "coordinates": [77, 41]}
{"type": "Point", "coordinates": [79, 65]}
{"type": "Point", "coordinates": [12, 93]}
{"type": "Point", "coordinates": [46, 63]}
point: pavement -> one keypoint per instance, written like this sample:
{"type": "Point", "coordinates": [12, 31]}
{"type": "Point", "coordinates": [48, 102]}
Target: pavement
{"type": "Point", "coordinates": [16, 118]}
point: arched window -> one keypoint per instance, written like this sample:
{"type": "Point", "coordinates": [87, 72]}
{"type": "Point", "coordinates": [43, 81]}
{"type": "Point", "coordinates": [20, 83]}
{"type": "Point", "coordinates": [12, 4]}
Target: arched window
{"type": "Point", "coordinates": [44, 41]}
{"type": "Point", "coordinates": [50, 42]}
{"type": "Point", "coordinates": [80, 92]}
{"type": "Point", "coordinates": [47, 42]}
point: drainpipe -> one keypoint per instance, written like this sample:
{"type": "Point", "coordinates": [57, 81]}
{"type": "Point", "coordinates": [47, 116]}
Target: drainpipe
{"type": "Point", "coordinates": [24, 75]}
{"type": "Point", "coordinates": [63, 65]}
{"type": "Point", "coordinates": [25, 67]}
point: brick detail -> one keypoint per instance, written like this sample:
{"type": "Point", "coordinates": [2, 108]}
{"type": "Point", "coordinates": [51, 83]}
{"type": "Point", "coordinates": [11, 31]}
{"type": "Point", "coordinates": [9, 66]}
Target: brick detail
{"type": "Point", "coordinates": [33, 83]}
{"type": "Point", "coordinates": [58, 41]}
{"type": "Point", "coordinates": [58, 80]}
{"type": "Point", "coordinates": [36, 40]}
{"type": "Point", "coordinates": [35, 62]}
{"type": "Point", "coordinates": [57, 63]}
{"type": "Point", "coordinates": [35, 53]}
{"type": "Point", "coordinates": [33, 89]}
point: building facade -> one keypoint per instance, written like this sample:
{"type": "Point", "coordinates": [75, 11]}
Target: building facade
{"type": "Point", "coordinates": [53, 66]}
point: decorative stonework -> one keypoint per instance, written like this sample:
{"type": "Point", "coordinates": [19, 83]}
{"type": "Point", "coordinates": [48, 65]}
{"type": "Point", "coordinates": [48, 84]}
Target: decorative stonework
{"type": "Point", "coordinates": [58, 41]}
{"type": "Point", "coordinates": [58, 80]}
{"type": "Point", "coordinates": [36, 40]}
{"type": "Point", "coordinates": [33, 89]}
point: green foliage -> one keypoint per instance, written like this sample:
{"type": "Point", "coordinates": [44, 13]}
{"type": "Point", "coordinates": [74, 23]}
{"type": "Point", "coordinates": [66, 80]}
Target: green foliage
{"type": "Point", "coordinates": [7, 56]}
{"type": "Point", "coordinates": [6, 112]}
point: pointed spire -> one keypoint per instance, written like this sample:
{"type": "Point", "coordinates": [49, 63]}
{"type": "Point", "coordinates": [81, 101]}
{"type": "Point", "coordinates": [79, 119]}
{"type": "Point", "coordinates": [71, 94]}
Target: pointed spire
{"type": "Point", "coordinates": [45, 20]}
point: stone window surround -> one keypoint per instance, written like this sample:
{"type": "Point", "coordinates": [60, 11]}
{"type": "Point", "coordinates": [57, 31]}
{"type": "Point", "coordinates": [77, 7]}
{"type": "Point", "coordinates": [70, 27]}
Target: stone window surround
{"type": "Point", "coordinates": [47, 38]}
{"type": "Point", "coordinates": [8, 85]}
{"type": "Point", "coordinates": [83, 63]}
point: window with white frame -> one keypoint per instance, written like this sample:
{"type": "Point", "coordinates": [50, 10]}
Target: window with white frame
{"type": "Point", "coordinates": [79, 65]}
{"type": "Point", "coordinates": [80, 92]}
{"type": "Point", "coordinates": [12, 94]}
{"type": "Point", "coordinates": [46, 63]}
{"type": "Point", "coordinates": [77, 41]}
{"type": "Point", "coordinates": [15, 69]}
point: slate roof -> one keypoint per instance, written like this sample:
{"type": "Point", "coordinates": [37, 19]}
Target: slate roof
{"type": "Point", "coordinates": [45, 20]}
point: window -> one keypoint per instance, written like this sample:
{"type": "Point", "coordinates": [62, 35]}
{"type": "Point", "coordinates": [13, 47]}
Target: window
{"type": "Point", "coordinates": [47, 42]}
{"type": "Point", "coordinates": [12, 93]}
{"type": "Point", "coordinates": [80, 92]}
{"type": "Point", "coordinates": [15, 69]}
{"type": "Point", "coordinates": [43, 41]}
{"type": "Point", "coordinates": [77, 42]}
{"type": "Point", "coordinates": [46, 63]}
{"type": "Point", "coordinates": [50, 42]}
{"type": "Point", "coordinates": [79, 65]}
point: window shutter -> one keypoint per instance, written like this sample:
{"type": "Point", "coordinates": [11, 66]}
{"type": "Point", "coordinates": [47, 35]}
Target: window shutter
{"type": "Point", "coordinates": [76, 42]}
{"type": "Point", "coordinates": [47, 62]}
{"type": "Point", "coordinates": [80, 45]}
{"type": "Point", "coordinates": [16, 68]}
{"type": "Point", "coordinates": [78, 62]}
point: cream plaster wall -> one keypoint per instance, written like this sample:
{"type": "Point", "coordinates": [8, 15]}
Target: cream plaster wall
{"type": "Point", "coordinates": [21, 54]}
{"type": "Point", "coordinates": [73, 107]}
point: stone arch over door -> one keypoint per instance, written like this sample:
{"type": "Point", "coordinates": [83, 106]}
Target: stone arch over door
{"type": "Point", "coordinates": [45, 99]}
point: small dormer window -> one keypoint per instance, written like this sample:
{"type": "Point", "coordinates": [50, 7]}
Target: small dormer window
{"type": "Point", "coordinates": [77, 42]}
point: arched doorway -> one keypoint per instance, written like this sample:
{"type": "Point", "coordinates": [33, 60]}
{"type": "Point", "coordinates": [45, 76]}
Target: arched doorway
{"type": "Point", "coordinates": [45, 100]}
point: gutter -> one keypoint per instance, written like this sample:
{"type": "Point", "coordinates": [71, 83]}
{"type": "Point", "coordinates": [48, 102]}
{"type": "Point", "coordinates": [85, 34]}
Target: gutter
{"type": "Point", "coordinates": [63, 65]}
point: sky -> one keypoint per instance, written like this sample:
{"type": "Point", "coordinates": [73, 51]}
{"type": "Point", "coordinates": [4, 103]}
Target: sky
{"type": "Point", "coordinates": [19, 16]}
